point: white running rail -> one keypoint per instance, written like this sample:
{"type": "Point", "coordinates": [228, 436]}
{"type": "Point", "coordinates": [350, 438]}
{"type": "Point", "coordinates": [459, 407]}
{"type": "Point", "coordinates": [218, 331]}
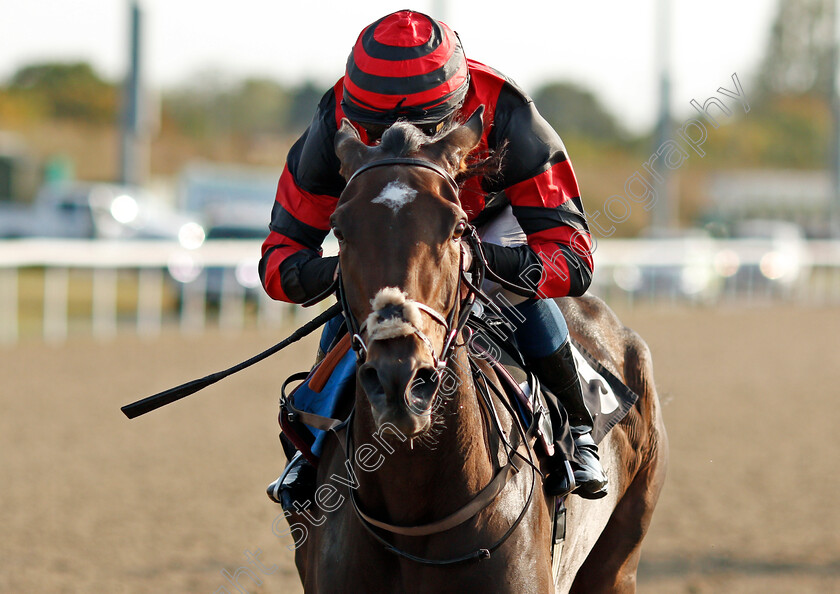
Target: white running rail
{"type": "Point", "coordinates": [45, 276]}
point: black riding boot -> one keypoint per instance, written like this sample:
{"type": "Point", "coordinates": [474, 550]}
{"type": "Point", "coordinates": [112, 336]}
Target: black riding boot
{"type": "Point", "coordinates": [297, 483]}
{"type": "Point", "coordinates": [558, 372]}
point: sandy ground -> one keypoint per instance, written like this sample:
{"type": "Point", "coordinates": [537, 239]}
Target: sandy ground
{"type": "Point", "coordinates": [169, 502]}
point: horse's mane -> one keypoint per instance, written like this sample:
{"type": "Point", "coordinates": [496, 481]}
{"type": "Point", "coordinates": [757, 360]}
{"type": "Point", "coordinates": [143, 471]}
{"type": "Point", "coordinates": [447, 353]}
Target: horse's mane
{"type": "Point", "coordinates": [487, 164]}
{"type": "Point", "coordinates": [404, 139]}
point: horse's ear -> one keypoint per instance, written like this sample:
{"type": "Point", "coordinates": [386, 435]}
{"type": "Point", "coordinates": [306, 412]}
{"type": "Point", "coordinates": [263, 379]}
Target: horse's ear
{"type": "Point", "coordinates": [349, 148]}
{"type": "Point", "coordinates": [454, 147]}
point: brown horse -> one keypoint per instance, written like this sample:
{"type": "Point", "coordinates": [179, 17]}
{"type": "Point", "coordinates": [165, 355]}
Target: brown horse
{"type": "Point", "coordinates": [403, 502]}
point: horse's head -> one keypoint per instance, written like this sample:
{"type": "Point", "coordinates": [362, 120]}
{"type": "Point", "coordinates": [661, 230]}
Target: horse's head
{"type": "Point", "coordinates": [399, 225]}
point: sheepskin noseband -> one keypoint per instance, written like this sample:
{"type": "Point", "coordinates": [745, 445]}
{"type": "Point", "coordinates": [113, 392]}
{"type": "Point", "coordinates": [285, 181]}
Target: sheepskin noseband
{"type": "Point", "coordinates": [393, 315]}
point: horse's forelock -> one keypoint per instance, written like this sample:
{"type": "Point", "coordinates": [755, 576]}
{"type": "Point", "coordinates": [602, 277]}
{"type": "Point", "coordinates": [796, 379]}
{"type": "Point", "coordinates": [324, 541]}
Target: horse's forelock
{"type": "Point", "coordinates": [403, 139]}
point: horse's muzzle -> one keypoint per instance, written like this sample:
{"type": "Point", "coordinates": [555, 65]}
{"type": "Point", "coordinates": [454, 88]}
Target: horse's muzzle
{"type": "Point", "coordinates": [401, 392]}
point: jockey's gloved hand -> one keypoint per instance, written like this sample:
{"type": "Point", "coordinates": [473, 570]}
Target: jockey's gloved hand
{"type": "Point", "coordinates": [317, 275]}
{"type": "Point", "coordinates": [519, 265]}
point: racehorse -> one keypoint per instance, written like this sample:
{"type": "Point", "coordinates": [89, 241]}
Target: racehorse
{"type": "Point", "coordinates": [411, 492]}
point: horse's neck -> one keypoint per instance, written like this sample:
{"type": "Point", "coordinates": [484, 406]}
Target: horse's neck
{"type": "Point", "coordinates": [436, 474]}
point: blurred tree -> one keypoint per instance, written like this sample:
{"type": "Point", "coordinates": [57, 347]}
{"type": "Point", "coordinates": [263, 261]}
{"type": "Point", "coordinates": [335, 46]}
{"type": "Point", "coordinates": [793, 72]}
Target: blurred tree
{"type": "Point", "coordinates": [260, 105]}
{"type": "Point", "coordinates": [791, 123]}
{"type": "Point", "coordinates": [67, 91]}
{"type": "Point", "coordinates": [798, 59]}
{"type": "Point", "coordinates": [18, 107]}
{"type": "Point", "coordinates": [785, 132]}
{"type": "Point", "coordinates": [201, 107]}
{"type": "Point", "coordinates": [575, 111]}
{"type": "Point", "coordinates": [211, 105]}
{"type": "Point", "coordinates": [304, 101]}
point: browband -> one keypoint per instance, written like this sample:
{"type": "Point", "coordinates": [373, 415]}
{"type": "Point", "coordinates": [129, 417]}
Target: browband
{"type": "Point", "coordinates": [407, 161]}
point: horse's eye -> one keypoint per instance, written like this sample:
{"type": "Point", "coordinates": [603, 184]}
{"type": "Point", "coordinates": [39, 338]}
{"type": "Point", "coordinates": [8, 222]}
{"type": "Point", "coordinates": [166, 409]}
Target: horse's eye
{"type": "Point", "coordinates": [338, 235]}
{"type": "Point", "coordinates": [459, 230]}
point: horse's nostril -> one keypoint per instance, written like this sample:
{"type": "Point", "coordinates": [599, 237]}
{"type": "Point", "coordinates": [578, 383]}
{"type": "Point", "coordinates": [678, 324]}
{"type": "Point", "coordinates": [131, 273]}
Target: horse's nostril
{"type": "Point", "coordinates": [369, 378]}
{"type": "Point", "coordinates": [398, 386]}
{"type": "Point", "coordinates": [422, 390]}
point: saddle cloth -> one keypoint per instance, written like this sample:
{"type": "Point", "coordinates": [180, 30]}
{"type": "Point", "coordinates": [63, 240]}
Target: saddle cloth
{"type": "Point", "coordinates": [607, 397]}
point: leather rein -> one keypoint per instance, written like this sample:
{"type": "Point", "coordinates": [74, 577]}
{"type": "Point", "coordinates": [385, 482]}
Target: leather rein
{"type": "Point", "coordinates": [483, 387]}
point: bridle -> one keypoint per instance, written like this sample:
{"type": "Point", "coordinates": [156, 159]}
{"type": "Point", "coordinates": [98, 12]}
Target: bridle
{"type": "Point", "coordinates": [452, 326]}
{"type": "Point", "coordinates": [453, 322]}
{"type": "Point", "coordinates": [411, 161]}
{"type": "Point", "coordinates": [480, 271]}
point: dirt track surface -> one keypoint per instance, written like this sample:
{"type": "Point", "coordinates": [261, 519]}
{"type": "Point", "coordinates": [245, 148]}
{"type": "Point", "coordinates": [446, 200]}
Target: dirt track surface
{"type": "Point", "coordinates": [92, 502]}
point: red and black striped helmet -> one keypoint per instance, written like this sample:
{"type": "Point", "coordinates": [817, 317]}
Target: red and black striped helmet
{"type": "Point", "coordinates": [405, 66]}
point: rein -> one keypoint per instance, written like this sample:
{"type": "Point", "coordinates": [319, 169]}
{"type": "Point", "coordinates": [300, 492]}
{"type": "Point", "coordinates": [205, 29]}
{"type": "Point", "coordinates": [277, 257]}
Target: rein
{"type": "Point", "coordinates": [477, 504]}
{"type": "Point", "coordinates": [453, 328]}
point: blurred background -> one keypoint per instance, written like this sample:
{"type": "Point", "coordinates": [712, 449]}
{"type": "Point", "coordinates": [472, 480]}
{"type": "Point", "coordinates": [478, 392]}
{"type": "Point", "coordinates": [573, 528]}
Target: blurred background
{"type": "Point", "coordinates": [140, 146]}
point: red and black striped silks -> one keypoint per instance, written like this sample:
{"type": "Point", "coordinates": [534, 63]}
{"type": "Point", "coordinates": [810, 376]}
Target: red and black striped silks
{"type": "Point", "coordinates": [405, 65]}
{"type": "Point", "coordinates": [536, 179]}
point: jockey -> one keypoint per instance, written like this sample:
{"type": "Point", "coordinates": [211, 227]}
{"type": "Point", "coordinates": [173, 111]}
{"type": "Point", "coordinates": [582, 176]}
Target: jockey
{"type": "Point", "coordinates": [408, 66]}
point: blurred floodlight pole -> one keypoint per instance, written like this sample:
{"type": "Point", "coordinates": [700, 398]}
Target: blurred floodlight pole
{"type": "Point", "coordinates": [662, 215]}
{"type": "Point", "coordinates": [834, 207]}
{"type": "Point", "coordinates": [132, 137]}
{"type": "Point", "coordinates": [439, 11]}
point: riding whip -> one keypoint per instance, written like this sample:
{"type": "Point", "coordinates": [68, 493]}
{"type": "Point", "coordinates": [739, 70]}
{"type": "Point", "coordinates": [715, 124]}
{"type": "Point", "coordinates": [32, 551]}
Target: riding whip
{"type": "Point", "coordinates": [150, 403]}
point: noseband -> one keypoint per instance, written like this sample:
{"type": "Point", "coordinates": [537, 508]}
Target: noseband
{"type": "Point", "coordinates": [395, 315]}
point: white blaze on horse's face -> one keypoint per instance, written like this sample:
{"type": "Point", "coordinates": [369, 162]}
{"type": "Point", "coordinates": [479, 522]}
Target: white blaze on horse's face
{"type": "Point", "coordinates": [395, 195]}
